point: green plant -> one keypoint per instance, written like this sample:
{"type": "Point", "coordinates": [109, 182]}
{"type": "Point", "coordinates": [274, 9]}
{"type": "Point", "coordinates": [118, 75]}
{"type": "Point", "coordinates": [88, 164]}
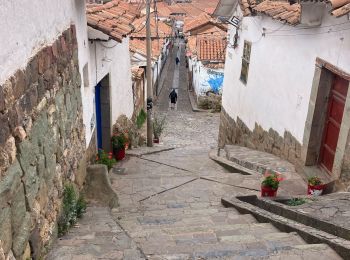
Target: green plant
{"type": "Point", "coordinates": [72, 208]}
{"type": "Point", "coordinates": [296, 201]}
{"type": "Point", "coordinates": [106, 159]}
{"type": "Point", "coordinates": [158, 126]}
{"type": "Point", "coordinates": [119, 141]}
{"type": "Point", "coordinates": [272, 181]}
{"type": "Point", "coordinates": [314, 181]}
{"type": "Point", "coordinates": [81, 206]}
{"type": "Point", "coordinates": [141, 119]}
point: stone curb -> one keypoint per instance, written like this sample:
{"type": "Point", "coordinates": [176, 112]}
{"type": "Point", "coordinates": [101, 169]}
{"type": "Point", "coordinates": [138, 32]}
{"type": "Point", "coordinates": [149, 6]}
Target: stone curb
{"type": "Point", "coordinates": [229, 165]}
{"type": "Point", "coordinates": [193, 103]}
{"type": "Point", "coordinates": [98, 186]}
{"type": "Point", "coordinates": [309, 234]}
{"type": "Point", "coordinates": [138, 153]}
{"type": "Point", "coordinates": [290, 213]}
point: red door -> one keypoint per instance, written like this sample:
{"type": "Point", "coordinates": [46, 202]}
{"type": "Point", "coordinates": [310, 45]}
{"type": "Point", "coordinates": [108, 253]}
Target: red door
{"type": "Point", "coordinates": [335, 111]}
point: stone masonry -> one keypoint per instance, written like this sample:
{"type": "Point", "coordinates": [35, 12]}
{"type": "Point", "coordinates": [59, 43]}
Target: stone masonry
{"type": "Point", "coordinates": [236, 132]}
{"type": "Point", "coordinates": [42, 143]}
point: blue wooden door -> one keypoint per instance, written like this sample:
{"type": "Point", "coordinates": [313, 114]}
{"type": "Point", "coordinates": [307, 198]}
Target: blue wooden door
{"type": "Point", "coordinates": [98, 115]}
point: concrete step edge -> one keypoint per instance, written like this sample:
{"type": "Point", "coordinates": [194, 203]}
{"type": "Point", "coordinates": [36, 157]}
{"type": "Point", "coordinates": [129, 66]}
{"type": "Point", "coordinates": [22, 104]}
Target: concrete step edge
{"type": "Point", "coordinates": [309, 234]}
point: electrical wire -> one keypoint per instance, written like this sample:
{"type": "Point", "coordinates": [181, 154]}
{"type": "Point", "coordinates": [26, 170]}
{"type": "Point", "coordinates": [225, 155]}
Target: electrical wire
{"type": "Point", "coordinates": [308, 28]}
{"type": "Point", "coordinates": [306, 34]}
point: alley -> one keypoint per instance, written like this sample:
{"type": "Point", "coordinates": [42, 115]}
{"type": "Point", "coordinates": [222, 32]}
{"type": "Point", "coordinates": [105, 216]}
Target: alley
{"type": "Point", "coordinates": [170, 200]}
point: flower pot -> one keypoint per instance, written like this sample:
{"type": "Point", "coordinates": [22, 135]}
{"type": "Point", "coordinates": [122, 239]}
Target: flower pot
{"type": "Point", "coordinates": [267, 191]}
{"type": "Point", "coordinates": [119, 154]}
{"type": "Point", "coordinates": [316, 190]}
{"type": "Point", "coordinates": [156, 140]}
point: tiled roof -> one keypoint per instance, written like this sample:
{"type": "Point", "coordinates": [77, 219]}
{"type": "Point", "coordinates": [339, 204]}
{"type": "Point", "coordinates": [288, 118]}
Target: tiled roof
{"type": "Point", "coordinates": [200, 21]}
{"type": "Point", "coordinates": [137, 72]}
{"type": "Point", "coordinates": [282, 10]}
{"type": "Point", "coordinates": [139, 46]}
{"type": "Point", "coordinates": [164, 30]}
{"type": "Point", "coordinates": [113, 18]}
{"type": "Point", "coordinates": [340, 7]}
{"type": "Point", "coordinates": [211, 49]}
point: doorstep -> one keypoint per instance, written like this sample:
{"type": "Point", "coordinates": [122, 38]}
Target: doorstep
{"type": "Point", "coordinates": [247, 161]}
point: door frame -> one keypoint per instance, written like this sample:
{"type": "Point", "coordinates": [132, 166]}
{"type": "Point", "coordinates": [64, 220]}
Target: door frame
{"type": "Point", "coordinates": [103, 114]}
{"type": "Point", "coordinates": [316, 116]}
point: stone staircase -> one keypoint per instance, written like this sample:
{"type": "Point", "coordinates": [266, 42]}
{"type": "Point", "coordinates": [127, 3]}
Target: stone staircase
{"type": "Point", "coordinates": [181, 232]}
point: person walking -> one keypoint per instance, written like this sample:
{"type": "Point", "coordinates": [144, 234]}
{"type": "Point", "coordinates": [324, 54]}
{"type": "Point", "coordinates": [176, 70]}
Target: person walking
{"type": "Point", "coordinates": [177, 60]}
{"type": "Point", "coordinates": [173, 99]}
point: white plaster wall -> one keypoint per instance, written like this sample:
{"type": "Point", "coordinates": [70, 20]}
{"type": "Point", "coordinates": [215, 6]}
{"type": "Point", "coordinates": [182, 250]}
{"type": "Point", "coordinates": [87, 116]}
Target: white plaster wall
{"type": "Point", "coordinates": [281, 70]}
{"type": "Point", "coordinates": [27, 26]}
{"type": "Point", "coordinates": [113, 58]}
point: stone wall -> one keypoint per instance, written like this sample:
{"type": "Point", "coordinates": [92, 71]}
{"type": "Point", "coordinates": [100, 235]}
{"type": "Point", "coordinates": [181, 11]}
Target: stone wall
{"type": "Point", "coordinates": [42, 144]}
{"type": "Point", "coordinates": [236, 132]}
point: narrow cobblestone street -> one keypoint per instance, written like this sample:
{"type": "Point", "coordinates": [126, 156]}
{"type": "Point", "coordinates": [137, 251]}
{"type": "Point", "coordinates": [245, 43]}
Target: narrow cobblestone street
{"type": "Point", "coordinates": [169, 201]}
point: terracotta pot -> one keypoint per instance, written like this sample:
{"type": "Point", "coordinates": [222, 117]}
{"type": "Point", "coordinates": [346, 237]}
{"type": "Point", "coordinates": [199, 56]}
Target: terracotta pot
{"type": "Point", "coordinates": [316, 190]}
{"type": "Point", "coordinates": [156, 140]}
{"type": "Point", "coordinates": [267, 191]}
{"type": "Point", "coordinates": [119, 154]}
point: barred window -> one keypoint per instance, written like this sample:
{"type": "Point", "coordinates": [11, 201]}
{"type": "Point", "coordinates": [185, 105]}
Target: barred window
{"type": "Point", "coordinates": [245, 61]}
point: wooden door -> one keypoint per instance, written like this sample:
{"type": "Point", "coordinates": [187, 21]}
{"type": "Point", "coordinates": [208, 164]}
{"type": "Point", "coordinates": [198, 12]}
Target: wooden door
{"type": "Point", "coordinates": [333, 121]}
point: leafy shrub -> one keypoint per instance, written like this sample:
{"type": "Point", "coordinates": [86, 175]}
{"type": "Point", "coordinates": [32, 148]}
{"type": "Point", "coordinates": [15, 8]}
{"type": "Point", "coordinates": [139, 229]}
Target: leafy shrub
{"type": "Point", "coordinates": [106, 159]}
{"type": "Point", "coordinates": [119, 141]}
{"type": "Point", "coordinates": [314, 181]}
{"type": "Point", "coordinates": [272, 181]}
{"type": "Point", "coordinates": [72, 209]}
{"type": "Point", "coordinates": [141, 119]}
{"type": "Point", "coordinates": [296, 201]}
{"type": "Point", "coordinates": [158, 126]}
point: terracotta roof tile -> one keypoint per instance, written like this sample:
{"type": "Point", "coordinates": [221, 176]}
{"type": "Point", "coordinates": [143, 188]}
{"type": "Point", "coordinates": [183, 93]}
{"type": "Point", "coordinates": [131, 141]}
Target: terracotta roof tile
{"type": "Point", "coordinates": [164, 30]}
{"type": "Point", "coordinates": [113, 18]}
{"type": "Point", "coordinates": [280, 10]}
{"type": "Point", "coordinates": [340, 7]}
{"type": "Point", "coordinates": [211, 49]}
{"type": "Point", "coordinates": [191, 23]}
{"type": "Point", "coordinates": [139, 46]}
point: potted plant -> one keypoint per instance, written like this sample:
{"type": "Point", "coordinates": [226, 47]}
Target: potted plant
{"type": "Point", "coordinates": [106, 159]}
{"type": "Point", "coordinates": [158, 128]}
{"type": "Point", "coordinates": [119, 142]}
{"type": "Point", "coordinates": [269, 185]}
{"type": "Point", "coordinates": [315, 186]}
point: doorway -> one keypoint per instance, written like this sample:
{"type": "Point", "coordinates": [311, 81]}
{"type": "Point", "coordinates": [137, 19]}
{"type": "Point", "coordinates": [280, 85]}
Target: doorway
{"type": "Point", "coordinates": [333, 120]}
{"type": "Point", "coordinates": [103, 115]}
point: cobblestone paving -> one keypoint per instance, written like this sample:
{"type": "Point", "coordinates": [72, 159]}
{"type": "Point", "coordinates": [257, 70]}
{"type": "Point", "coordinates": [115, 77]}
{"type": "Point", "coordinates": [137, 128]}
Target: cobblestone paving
{"type": "Point", "coordinates": [170, 203]}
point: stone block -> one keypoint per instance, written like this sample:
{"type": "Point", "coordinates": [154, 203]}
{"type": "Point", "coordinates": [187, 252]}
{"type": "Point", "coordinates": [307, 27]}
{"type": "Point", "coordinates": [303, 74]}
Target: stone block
{"type": "Point", "coordinates": [32, 69]}
{"type": "Point", "coordinates": [15, 116]}
{"type": "Point", "coordinates": [5, 229]}
{"type": "Point", "coordinates": [20, 133]}
{"type": "Point", "coordinates": [8, 94]}
{"type": "Point", "coordinates": [31, 182]}
{"type": "Point", "coordinates": [20, 239]}
{"type": "Point", "coordinates": [4, 129]}
{"type": "Point", "coordinates": [10, 149]}
{"type": "Point", "coordinates": [18, 208]}
{"type": "Point", "coordinates": [27, 154]}
{"type": "Point", "coordinates": [9, 184]}
{"type": "Point", "coordinates": [18, 84]}
{"type": "Point", "coordinates": [2, 99]}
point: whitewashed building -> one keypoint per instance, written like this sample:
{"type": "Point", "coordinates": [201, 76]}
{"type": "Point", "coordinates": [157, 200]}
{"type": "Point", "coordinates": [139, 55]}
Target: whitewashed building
{"type": "Point", "coordinates": [286, 82]}
{"type": "Point", "coordinates": [109, 92]}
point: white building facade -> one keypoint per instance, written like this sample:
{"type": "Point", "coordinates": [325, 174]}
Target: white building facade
{"type": "Point", "coordinates": [277, 78]}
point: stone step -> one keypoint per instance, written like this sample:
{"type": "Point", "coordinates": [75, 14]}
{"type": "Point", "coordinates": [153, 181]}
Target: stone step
{"type": "Point", "coordinates": [150, 224]}
{"type": "Point", "coordinates": [241, 252]}
{"type": "Point", "coordinates": [267, 241]}
{"type": "Point", "coordinates": [255, 229]}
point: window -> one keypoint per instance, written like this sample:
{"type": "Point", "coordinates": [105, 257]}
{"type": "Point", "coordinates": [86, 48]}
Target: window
{"type": "Point", "coordinates": [245, 61]}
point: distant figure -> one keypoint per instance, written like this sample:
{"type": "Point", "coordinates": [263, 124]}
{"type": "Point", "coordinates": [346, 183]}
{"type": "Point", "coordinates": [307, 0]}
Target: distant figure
{"type": "Point", "coordinates": [177, 60]}
{"type": "Point", "coordinates": [173, 98]}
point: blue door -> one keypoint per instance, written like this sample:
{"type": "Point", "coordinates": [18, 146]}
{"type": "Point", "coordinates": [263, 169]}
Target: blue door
{"type": "Point", "coordinates": [98, 115]}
